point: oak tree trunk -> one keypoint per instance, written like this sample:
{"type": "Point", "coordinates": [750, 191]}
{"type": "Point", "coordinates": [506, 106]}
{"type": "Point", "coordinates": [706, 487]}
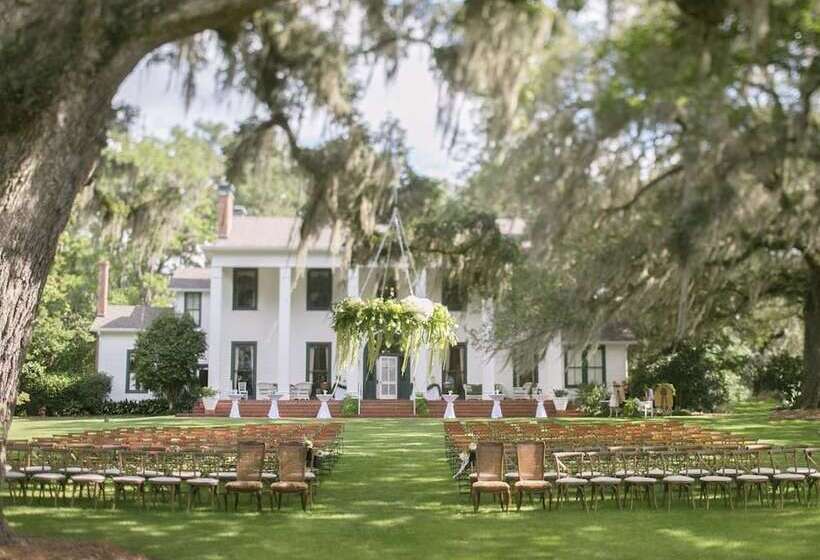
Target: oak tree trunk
{"type": "Point", "coordinates": [810, 387]}
{"type": "Point", "coordinates": [61, 63]}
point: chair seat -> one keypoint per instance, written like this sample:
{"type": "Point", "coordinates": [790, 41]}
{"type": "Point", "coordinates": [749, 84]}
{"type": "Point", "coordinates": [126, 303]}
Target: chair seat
{"type": "Point", "coordinates": [244, 486]}
{"type": "Point", "coordinates": [532, 485]}
{"type": "Point", "coordinates": [269, 477]}
{"type": "Point", "coordinates": [589, 474]}
{"type": "Point", "coordinates": [35, 469]}
{"type": "Point", "coordinates": [640, 480]}
{"type": "Point", "coordinates": [659, 473]}
{"type": "Point", "coordinates": [185, 475]}
{"type": "Point", "coordinates": [679, 479]}
{"type": "Point", "coordinates": [310, 476]}
{"type": "Point", "coordinates": [696, 472]}
{"type": "Point", "coordinates": [621, 473]}
{"type": "Point", "coordinates": [716, 478]}
{"type": "Point", "coordinates": [113, 471]}
{"type": "Point", "coordinates": [753, 478]}
{"type": "Point", "coordinates": [801, 470]}
{"type": "Point", "coordinates": [605, 480]}
{"type": "Point", "coordinates": [511, 476]}
{"type": "Point", "coordinates": [14, 476]}
{"type": "Point", "coordinates": [164, 480]}
{"type": "Point", "coordinates": [129, 480]}
{"type": "Point", "coordinates": [289, 486]}
{"type": "Point", "coordinates": [765, 470]}
{"type": "Point", "coordinates": [729, 472]}
{"type": "Point", "coordinates": [74, 470]}
{"type": "Point", "coordinates": [49, 477]}
{"type": "Point", "coordinates": [202, 481]}
{"type": "Point", "coordinates": [789, 477]}
{"type": "Point", "coordinates": [550, 475]}
{"type": "Point", "coordinates": [572, 481]}
{"type": "Point", "coordinates": [223, 475]}
{"type": "Point", "coordinates": [815, 475]}
{"type": "Point", "coordinates": [88, 478]}
{"type": "Point", "coordinates": [151, 474]}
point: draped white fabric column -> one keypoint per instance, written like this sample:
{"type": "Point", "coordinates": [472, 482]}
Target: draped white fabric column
{"type": "Point", "coordinates": [283, 349]}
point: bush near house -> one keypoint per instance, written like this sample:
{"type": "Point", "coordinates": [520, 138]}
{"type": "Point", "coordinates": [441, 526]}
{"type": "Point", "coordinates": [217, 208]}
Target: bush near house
{"type": "Point", "coordinates": [63, 394]}
{"type": "Point", "coordinates": [166, 356]}
{"type": "Point", "coordinates": [703, 374]}
{"type": "Point", "coordinates": [590, 397]}
{"type": "Point", "coordinates": [781, 375]}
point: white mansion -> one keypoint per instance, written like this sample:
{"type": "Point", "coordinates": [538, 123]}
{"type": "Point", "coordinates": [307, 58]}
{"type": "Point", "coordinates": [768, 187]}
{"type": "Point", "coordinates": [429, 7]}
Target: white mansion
{"type": "Point", "coordinates": [267, 319]}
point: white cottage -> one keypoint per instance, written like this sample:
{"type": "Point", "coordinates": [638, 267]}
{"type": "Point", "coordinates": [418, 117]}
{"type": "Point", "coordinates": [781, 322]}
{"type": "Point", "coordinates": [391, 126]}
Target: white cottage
{"type": "Point", "coordinates": [267, 318]}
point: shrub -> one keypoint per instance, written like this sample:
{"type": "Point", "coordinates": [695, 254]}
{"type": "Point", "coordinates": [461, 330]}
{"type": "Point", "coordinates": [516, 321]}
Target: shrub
{"type": "Point", "coordinates": [632, 408]}
{"type": "Point", "coordinates": [780, 374]}
{"type": "Point", "coordinates": [146, 407]}
{"type": "Point", "coordinates": [422, 409]}
{"type": "Point", "coordinates": [698, 371]}
{"type": "Point", "coordinates": [166, 356]}
{"type": "Point", "coordinates": [590, 397]}
{"type": "Point", "coordinates": [350, 406]}
{"type": "Point", "coordinates": [64, 394]}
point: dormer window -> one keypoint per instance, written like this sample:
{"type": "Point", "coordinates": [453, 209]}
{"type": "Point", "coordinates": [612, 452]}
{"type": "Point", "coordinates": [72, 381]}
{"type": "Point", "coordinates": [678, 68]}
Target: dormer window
{"type": "Point", "coordinates": [319, 289]}
{"type": "Point", "coordinates": [193, 307]}
{"type": "Point", "coordinates": [245, 287]}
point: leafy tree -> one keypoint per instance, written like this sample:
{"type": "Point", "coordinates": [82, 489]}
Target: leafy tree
{"type": "Point", "coordinates": [58, 84]}
{"type": "Point", "coordinates": [166, 356]}
{"type": "Point", "coordinates": [676, 177]}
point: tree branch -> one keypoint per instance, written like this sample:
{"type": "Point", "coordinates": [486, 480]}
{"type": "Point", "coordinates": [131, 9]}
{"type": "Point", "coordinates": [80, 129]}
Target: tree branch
{"type": "Point", "coordinates": [674, 170]}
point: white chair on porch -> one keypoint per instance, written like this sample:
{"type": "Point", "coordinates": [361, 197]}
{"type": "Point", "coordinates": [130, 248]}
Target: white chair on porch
{"type": "Point", "coordinates": [264, 391]}
{"type": "Point", "coordinates": [523, 392]}
{"type": "Point", "coordinates": [300, 391]}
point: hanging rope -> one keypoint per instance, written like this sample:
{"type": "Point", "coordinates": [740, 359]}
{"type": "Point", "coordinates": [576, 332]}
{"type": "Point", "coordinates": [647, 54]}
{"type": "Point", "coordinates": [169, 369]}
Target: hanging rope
{"type": "Point", "coordinates": [394, 225]}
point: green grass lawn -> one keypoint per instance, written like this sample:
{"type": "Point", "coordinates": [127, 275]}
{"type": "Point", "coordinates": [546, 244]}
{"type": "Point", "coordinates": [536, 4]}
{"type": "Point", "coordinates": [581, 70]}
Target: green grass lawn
{"type": "Point", "coordinates": [390, 497]}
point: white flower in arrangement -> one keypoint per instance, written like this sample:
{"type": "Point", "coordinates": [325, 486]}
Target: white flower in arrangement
{"type": "Point", "coordinates": [420, 306]}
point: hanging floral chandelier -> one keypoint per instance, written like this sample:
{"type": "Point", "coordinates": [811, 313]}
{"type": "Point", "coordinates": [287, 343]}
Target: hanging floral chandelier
{"type": "Point", "coordinates": [409, 324]}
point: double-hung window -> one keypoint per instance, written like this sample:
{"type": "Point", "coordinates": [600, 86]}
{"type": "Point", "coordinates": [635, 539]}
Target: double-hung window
{"type": "Point", "coordinates": [319, 289]}
{"type": "Point", "coordinates": [583, 366]}
{"type": "Point", "coordinates": [193, 307]}
{"type": "Point", "coordinates": [245, 288]}
{"type": "Point", "coordinates": [131, 385]}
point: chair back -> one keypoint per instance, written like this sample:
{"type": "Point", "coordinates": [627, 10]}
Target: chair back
{"type": "Point", "coordinates": [569, 463]}
{"type": "Point", "coordinates": [530, 460]}
{"type": "Point", "coordinates": [292, 459]}
{"type": "Point", "coordinates": [250, 460]}
{"type": "Point", "coordinates": [489, 461]}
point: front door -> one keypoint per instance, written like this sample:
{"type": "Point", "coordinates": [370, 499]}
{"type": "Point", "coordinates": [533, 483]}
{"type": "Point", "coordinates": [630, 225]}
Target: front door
{"type": "Point", "coordinates": [387, 377]}
{"type": "Point", "coordinates": [243, 370]}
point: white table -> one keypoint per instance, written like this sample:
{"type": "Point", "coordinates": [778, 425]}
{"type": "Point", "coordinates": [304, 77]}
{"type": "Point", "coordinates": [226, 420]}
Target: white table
{"type": "Point", "coordinates": [540, 411]}
{"type": "Point", "coordinates": [273, 413]}
{"type": "Point", "coordinates": [496, 412]}
{"type": "Point", "coordinates": [235, 398]}
{"type": "Point", "coordinates": [324, 411]}
{"type": "Point", "coordinates": [450, 409]}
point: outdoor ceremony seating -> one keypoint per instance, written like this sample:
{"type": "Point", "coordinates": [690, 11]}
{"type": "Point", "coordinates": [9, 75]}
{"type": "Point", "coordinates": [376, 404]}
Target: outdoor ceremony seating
{"type": "Point", "coordinates": [164, 462]}
{"type": "Point", "coordinates": [292, 475]}
{"type": "Point", "coordinates": [249, 464]}
{"type": "Point", "coordinates": [632, 462]}
{"type": "Point", "coordinates": [489, 472]}
{"type": "Point", "coordinates": [531, 473]}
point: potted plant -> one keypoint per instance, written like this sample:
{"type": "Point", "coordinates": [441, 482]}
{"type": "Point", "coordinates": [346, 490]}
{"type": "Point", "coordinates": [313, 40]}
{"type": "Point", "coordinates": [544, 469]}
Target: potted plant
{"type": "Point", "coordinates": [560, 399]}
{"type": "Point", "coordinates": [210, 398]}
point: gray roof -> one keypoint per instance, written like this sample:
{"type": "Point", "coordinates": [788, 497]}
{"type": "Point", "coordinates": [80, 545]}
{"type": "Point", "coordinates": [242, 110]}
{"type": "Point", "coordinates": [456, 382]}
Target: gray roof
{"type": "Point", "coordinates": [617, 331]}
{"type": "Point", "coordinates": [191, 279]}
{"type": "Point", "coordinates": [128, 317]}
{"type": "Point", "coordinates": [274, 233]}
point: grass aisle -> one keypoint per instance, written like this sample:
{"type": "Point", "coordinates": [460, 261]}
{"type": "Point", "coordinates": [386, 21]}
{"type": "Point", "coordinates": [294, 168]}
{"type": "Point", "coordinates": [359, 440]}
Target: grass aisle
{"type": "Point", "coordinates": [390, 497]}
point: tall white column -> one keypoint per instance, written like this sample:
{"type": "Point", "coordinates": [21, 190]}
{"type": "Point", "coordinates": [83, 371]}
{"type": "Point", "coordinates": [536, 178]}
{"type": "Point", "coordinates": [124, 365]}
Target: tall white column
{"type": "Point", "coordinates": [283, 352]}
{"type": "Point", "coordinates": [217, 379]}
{"type": "Point", "coordinates": [351, 373]}
{"type": "Point", "coordinates": [488, 367]}
{"type": "Point", "coordinates": [421, 369]}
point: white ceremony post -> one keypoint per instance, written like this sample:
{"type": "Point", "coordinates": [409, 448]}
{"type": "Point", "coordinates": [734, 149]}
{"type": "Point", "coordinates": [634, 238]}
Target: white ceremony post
{"type": "Point", "coordinates": [420, 368]}
{"type": "Point", "coordinates": [215, 377]}
{"type": "Point", "coordinates": [351, 373]}
{"type": "Point", "coordinates": [488, 371]}
{"type": "Point", "coordinates": [283, 348]}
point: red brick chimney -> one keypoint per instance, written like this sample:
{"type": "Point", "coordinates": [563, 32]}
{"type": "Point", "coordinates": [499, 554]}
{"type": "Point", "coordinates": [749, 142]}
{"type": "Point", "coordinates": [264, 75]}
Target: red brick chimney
{"type": "Point", "coordinates": [224, 211]}
{"type": "Point", "coordinates": [102, 288]}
